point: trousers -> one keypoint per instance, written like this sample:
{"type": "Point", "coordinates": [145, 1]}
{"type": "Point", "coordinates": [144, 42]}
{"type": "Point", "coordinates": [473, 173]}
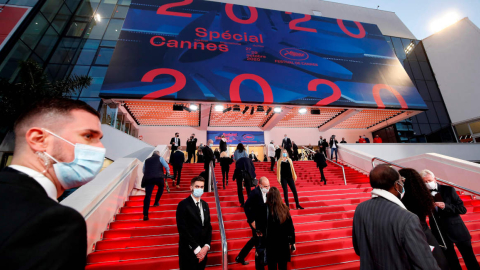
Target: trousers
{"type": "Point", "coordinates": [148, 195]}
{"type": "Point", "coordinates": [177, 174]}
{"type": "Point", "coordinates": [241, 200]}
{"type": "Point", "coordinates": [253, 242]}
{"type": "Point", "coordinates": [225, 172]}
{"type": "Point", "coordinates": [466, 250]}
{"type": "Point", "coordinates": [336, 153]}
{"type": "Point", "coordinates": [289, 183]}
{"type": "Point", "coordinates": [272, 163]}
{"type": "Point", "coordinates": [191, 154]}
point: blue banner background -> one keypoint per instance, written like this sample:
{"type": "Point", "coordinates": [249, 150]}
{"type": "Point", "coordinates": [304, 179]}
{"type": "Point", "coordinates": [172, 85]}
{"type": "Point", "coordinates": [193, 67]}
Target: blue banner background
{"type": "Point", "coordinates": [273, 51]}
{"type": "Point", "coordinates": [236, 137]}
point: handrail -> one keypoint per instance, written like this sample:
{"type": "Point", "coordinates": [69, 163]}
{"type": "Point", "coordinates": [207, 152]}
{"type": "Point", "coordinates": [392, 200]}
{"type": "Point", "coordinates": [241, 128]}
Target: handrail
{"type": "Point", "coordinates": [438, 179]}
{"type": "Point", "coordinates": [341, 166]}
{"type": "Point", "coordinates": [223, 236]}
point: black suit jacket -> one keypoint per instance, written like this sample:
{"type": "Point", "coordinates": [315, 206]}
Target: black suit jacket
{"type": "Point", "coordinates": [36, 231]}
{"type": "Point", "coordinates": [172, 142]}
{"type": "Point", "coordinates": [278, 153]}
{"type": "Point", "coordinates": [189, 225]}
{"type": "Point", "coordinates": [223, 146]}
{"type": "Point", "coordinates": [256, 210]}
{"type": "Point", "coordinates": [192, 145]}
{"type": "Point", "coordinates": [207, 157]}
{"type": "Point", "coordinates": [449, 220]}
{"type": "Point", "coordinates": [286, 144]}
{"type": "Point", "coordinates": [178, 159]}
{"type": "Point", "coordinates": [320, 160]}
{"type": "Point", "coordinates": [253, 157]}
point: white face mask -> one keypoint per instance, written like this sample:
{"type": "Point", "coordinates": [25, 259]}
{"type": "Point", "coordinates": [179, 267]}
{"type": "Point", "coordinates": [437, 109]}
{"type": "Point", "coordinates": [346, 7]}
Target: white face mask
{"type": "Point", "coordinates": [431, 185]}
{"type": "Point", "coordinates": [265, 190]}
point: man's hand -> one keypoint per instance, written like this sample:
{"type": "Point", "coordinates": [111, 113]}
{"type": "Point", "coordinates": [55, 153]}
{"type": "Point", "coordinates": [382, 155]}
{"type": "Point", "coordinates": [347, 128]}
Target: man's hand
{"type": "Point", "coordinates": [440, 204]}
{"type": "Point", "coordinates": [253, 225]}
{"type": "Point", "coordinates": [294, 248]}
{"type": "Point", "coordinates": [203, 252]}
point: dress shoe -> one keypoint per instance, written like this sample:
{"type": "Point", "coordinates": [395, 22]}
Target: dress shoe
{"type": "Point", "coordinates": [178, 186]}
{"type": "Point", "coordinates": [241, 261]}
{"type": "Point", "coordinates": [156, 205]}
{"type": "Point", "coordinates": [299, 207]}
{"type": "Point", "coordinates": [145, 218]}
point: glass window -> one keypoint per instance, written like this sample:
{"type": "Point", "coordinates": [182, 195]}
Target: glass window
{"type": "Point", "coordinates": [426, 71]}
{"type": "Point", "coordinates": [76, 29]}
{"type": "Point", "coordinates": [425, 129]}
{"type": "Point", "coordinates": [113, 30]}
{"type": "Point", "coordinates": [46, 45]}
{"type": "Point", "coordinates": [104, 56]}
{"type": "Point", "coordinates": [65, 51]}
{"type": "Point", "coordinates": [416, 129]}
{"type": "Point", "coordinates": [475, 126]}
{"type": "Point", "coordinates": [462, 130]}
{"type": "Point", "coordinates": [9, 66]}
{"type": "Point", "coordinates": [72, 4]}
{"type": "Point", "coordinates": [87, 8]}
{"type": "Point", "coordinates": [433, 90]}
{"type": "Point", "coordinates": [125, 2]}
{"type": "Point", "coordinates": [408, 69]}
{"type": "Point", "coordinates": [56, 72]}
{"type": "Point", "coordinates": [87, 52]}
{"type": "Point", "coordinates": [62, 19]}
{"type": "Point", "coordinates": [105, 10]}
{"type": "Point", "coordinates": [97, 74]}
{"type": "Point", "coordinates": [36, 58]}
{"type": "Point", "coordinates": [34, 31]}
{"type": "Point", "coordinates": [431, 114]}
{"type": "Point", "coordinates": [79, 70]}
{"type": "Point", "coordinates": [417, 72]}
{"type": "Point", "coordinates": [441, 112]}
{"type": "Point", "coordinates": [406, 43]}
{"type": "Point", "coordinates": [422, 118]}
{"type": "Point", "coordinates": [420, 52]}
{"type": "Point", "coordinates": [435, 127]}
{"type": "Point", "coordinates": [108, 114]}
{"type": "Point", "coordinates": [120, 12]}
{"type": "Point", "coordinates": [96, 28]}
{"type": "Point", "coordinates": [28, 3]}
{"type": "Point", "coordinates": [109, 43]}
{"type": "Point", "coordinates": [422, 89]}
{"type": "Point", "coordinates": [399, 50]}
{"type": "Point", "coordinates": [50, 8]}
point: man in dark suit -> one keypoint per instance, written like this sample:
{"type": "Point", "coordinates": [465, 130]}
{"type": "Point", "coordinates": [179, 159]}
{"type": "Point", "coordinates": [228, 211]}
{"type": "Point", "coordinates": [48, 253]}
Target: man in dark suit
{"type": "Point", "coordinates": [223, 143]}
{"type": "Point", "coordinates": [287, 144]}
{"type": "Point", "coordinates": [253, 157]}
{"type": "Point", "coordinates": [191, 147]}
{"type": "Point", "coordinates": [207, 157]}
{"type": "Point", "coordinates": [194, 228]}
{"type": "Point", "coordinates": [295, 151]}
{"type": "Point", "coordinates": [36, 231]}
{"type": "Point", "coordinates": [448, 208]}
{"type": "Point", "coordinates": [256, 212]}
{"type": "Point", "coordinates": [175, 143]}
{"type": "Point", "coordinates": [385, 234]}
{"type": "Point", "coordinates": [321, 162]}
{"type": "Point", "coordinates": [177, 164]}
{"type": "Point", "coordinates": [153, 175]}
{"type": "Point", "coordinates": [324, 147]}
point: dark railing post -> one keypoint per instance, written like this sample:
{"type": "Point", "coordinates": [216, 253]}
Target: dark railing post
{"type": "Point", "coordinates": [213, 182]}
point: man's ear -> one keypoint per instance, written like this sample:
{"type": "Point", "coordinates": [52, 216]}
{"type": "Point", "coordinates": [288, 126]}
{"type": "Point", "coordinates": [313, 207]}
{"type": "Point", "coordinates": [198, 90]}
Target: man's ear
{"type": "Point", "coordinates": [37, 139]}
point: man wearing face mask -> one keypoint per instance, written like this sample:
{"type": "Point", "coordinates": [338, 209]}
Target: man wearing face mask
{"type": "Point", "coordinates": [385, 234]}
{"type": "Point", "coordinates": [153, 175]}
{"type": "Point", "coordinates": [191, 147]}
{"type": "Point", "coordinates": [175, 142]}
{"type": "Point", "coordinates": [194, 228]}
{"type": "Point", "coordinates": [448, 208]}
{"type": "Point", "coordinates": [287, 144]}
{"type": "Point", "coordinates": [57, 147]}
{"type": "Point", "coordinates": [256, 212]}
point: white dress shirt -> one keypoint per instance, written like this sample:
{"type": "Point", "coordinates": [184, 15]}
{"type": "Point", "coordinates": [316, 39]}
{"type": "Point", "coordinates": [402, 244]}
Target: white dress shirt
{"type": "Point", "coordinates": [197, 250]}
{"type": "Point", "coordinates": [271, 150]}
{"type": "Point", "coordinates": [46, 183]}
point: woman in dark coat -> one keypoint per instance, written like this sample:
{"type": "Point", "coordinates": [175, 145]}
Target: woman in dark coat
{"type": "Point", "coordinates": [419, 201]}
{"type": "Point", "coordinates": [225, 162]}
{"type": "Point", "coordinates": [199, 156]}
{"type": "Point", "coordinates": [216, 153]}
{"type": "Point", "coordinates": [321, 164]}
{"type": "Point", "coordinates": [280, 236]}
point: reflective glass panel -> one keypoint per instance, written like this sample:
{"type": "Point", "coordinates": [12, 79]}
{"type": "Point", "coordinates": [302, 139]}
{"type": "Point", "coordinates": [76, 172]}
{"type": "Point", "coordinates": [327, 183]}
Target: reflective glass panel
{"type": "Point", "coordinates": [9, 66]}
{"type": "Point", "coordinates": [62, 19]}
{"type": "Point", "coordinates": [76, 29]}
{"type": "Point", "coordinates": [46, 45]}
{"type": "Point", "coordinates": [104, 56]}
{"type": "Point", "coordinates": [87, 8]}
{"type": "Point", "coordinates": [475, 126]}
{"type": "Point", "coordinates": [120, 12]}
{"type": "Point", "coordinates": [113, 30]}
{"type": "Point", "coordinates": [35, 30]}
{"type": "Point", "coordinates": [87, 52]}
{"type": "Point", "coordinates": [50, 8]}
{"type": "Point", "coordinates": [96, 28]}
{"type": "Point", "coordinates": [97, 74]}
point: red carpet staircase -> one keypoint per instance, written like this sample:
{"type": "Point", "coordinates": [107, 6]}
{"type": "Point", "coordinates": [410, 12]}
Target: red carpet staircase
{"type": "Point", "coordinates": [323, 228]}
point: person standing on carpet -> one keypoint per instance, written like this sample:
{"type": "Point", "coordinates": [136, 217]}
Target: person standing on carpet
{"type": "Point", "coordinates": [153, 176]}
{"type": "Point", "coordinates": [194, 228]}
{"type": "Point", "coordinates": [271, 155]}
{"type": "Point", "coordinates": [177, 164]}
{"type": "Point", "coordinates": [240, 152]}
{"type": "Point", "coordinates": [225, 162]}
{"type": "Point", "coordinates": [286, 177]}
{"type": "Point", "coordinates": [280, 232]}
{"type": "Point", "coordinates": [321, 162]}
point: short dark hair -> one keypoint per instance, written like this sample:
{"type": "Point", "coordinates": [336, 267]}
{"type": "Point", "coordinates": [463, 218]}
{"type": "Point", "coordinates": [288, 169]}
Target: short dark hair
{"type": "Point", "coordinates": [383, 177]}
{"type": "Point", "coordinates": [240, 147]}
{"type": "Point", "coordinates": [196, 179]}
{"type": "Point", "coordinates": [60, 107]}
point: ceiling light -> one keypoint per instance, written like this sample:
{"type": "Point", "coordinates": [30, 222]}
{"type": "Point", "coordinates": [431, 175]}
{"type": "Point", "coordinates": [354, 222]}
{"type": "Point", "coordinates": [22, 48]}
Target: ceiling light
{"type": "Point", "coordinates": [277, 109]}
{"type": "Point", "coordinates": [245, 110]}
{"type": "Point", "coordinates": [193, 107]}
{"type": "Point", "coordinates": [302, 110]}
{"type": "Point", "coordinates": [218, 108]}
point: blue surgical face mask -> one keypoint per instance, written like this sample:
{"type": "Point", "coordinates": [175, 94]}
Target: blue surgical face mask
{"type": "Point", "coordinates": [86, 165]}
{"type": "Point", "coordinates": [211, 145]}
{"type": "Point", "coordinates": [197, 192]}
{"type": "Point", "coordinates": [403, 190]}
{"type": "Point", "coordinates": [285, 154]}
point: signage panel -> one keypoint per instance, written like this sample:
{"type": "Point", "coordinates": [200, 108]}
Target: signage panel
{"type": "Point", "coordinates": [236, 137]}
{"type": "Point", "coordinates": [10, 18]}
{"type": "Point", "coordinates": [210, 51]}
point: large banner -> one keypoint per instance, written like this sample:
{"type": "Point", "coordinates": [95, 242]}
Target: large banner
{"type": "Point", "coordinates": [236, 137]}
{"type": "Point", "coordinates": [10, 19]}
{"type": "Point", "coordinates": [210, 51]}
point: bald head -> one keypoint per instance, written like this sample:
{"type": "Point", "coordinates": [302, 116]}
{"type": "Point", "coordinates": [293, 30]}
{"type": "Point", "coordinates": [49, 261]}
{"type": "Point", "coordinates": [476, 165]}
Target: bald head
{"type": "Point", "coordinates": [210, 141]}
{"type": "Point", "coordinates": [383, 177]}
{"type": "Point", "coordinates": [263, 183]}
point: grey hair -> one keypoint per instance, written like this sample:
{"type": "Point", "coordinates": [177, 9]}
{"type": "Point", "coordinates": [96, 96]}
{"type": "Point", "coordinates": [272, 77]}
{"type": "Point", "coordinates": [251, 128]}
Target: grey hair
{"type": "Point", "coordinates": [156, 153]}
{"type": "Point", "coordinates": [426, 172]}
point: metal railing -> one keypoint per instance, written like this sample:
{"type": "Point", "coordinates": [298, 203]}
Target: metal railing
{"type": "Point", "coordinates": [341, 166]}
{"type": "Point", "coordinates": [212, 181]}
{"type": "Point", "coordinates": [438, 179]}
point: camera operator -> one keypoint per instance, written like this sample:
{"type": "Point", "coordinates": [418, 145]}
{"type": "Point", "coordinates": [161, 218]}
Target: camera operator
{"type": "Point", "coordinates": [153, 176]}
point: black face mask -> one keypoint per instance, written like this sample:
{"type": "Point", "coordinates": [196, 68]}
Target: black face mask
{"type": "Point", "coordinates": [176, 135]}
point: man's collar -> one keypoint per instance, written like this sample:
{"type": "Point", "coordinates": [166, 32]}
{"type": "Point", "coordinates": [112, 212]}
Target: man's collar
{"type": "Point", "coordinates": [41, 179]}
{"type": "Point", "coordinates": [195, 199]}
{"type": "Point", "coordinates": [376, 192]}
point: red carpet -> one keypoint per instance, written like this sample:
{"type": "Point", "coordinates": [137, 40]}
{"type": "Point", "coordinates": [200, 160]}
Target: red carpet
{"type": "Point", "coordinates": [323, 228]}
